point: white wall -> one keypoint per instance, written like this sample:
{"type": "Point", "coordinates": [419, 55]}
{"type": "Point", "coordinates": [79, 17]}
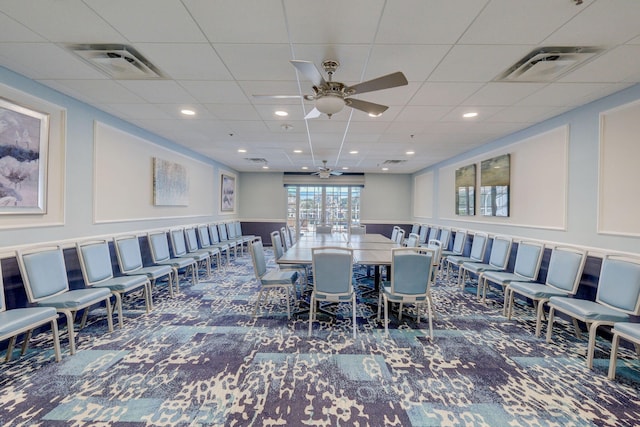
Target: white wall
{"type": "Point", "coordinates": [581, 191]}
{"type": "Point", "coordinates": [72, 175]}
{"type": "Point", "coordinates": [262, 197]}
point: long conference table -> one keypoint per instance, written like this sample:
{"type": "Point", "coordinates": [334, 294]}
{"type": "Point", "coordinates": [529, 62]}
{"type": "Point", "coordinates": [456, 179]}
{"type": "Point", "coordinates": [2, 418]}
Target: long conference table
{"type": "Point", "coordinates": [368, 249]}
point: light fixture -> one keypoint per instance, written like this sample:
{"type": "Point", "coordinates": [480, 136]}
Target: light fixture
{"type": "Point", "coordinates": [265, 167]}
{"type": "Point", "coordinates": [375, 115]}
{"type": "Point", "coordinates": [241, 150]}
{"type": "Point", "coordinates": [304, 168]}
{"type": "Point", "coordinates": [385, 169]}
{"type": "Point", "coordinates": [345, 168]}
{"type": "Point", "coordinates": [188, 112]}
{"type": "Point", "coordinates": [353, 152]}
{"type": "Point", "coordinates": [329, 104]}
{"type": "Point", "coordinates": [297, 151]}
{"type": "Point", "coordinates": [281, 113]}
{"type": "Point", "coordinates": [470, 115]}
{"type": "Point", "coordinates": [410, 153]}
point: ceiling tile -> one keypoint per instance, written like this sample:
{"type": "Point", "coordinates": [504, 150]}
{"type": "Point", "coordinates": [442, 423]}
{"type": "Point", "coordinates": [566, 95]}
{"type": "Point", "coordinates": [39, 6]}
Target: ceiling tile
{"type": "Point", "coordinates": [185, 61]}
{"type": "Point", "coordinates": [208, 91]}
{"type": "Point", "coordinates": [159, 91]}
{"type": "Point", "coordinates": [503, 93]}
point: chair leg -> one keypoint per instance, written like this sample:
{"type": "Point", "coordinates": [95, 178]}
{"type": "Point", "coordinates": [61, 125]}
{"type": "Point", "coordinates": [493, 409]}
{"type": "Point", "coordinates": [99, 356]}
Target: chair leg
{"type": "Point", "coordinates": [288, 298]}
{"type": "Point", "coordinates": [539, 314]}
{"type": "Point", "coordinates": [430, 319]}
{"type": "Point", "coordinates": [510, 302]}
{"type": "Point", "coordinates": [576, 328]}
{"type": "Point", "coordinates": [56, 339]}
{"type": "Point", "coordinates": [379, 305]}
{"type": "Point", "coordinates": [25, 343]}
{"type": "Point", "coordinates": [353, 302]}
{"type": "Point", "coordinates": [12, 343]}
{"type": "Point", "coordinates": [312, 309]}
{"type": "Point", "coordinates": [386, 316]}
{"type": "Point", "coordinates": [118, 304]}
{"type": "Point", "coordinates": [148, 297]}
{"type": "Point", "coordinates": [255, 308]}
{"type": "Point", "coordinates": [550, 324]}
{"type": "Point", "coordinates": [506, 300]}
{"type": "Point", "coordinates": [593, 330]}
{"type": "Point", "coordinates": [613, 357]}
{"type": "Point", "coordinates": [70, 331]}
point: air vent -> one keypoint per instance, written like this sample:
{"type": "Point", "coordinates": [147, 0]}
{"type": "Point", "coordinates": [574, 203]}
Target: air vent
{"type": "Point", "coordinates": [546, 64]}
{"type": "Point", "coordinates": [256, 160]}
{"type": "Point", "coordinates": [393, 162]}
{"type": "Point", "coordinates": [119, 62]}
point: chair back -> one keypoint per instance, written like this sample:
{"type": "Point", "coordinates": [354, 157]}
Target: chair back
{"type": "Point", "coordinates": [128, 253]}
{"type": "Point", "coordinates": [95, 261]}
{"type": "Point", "coordinates": [415, 228]}
{"type": "Point", "coordinates": [159, 246]}
{"type": "Point", "coordinates": [292, 234]}
{"type": "Point", "coordinates": [231, 231]}
{"type": "Point", "coordinates": [179, 242]}
{"type": "Point", "coordinates": [423, 234]}
{"type": "Point", "coordinates": [445, 236]}
{"type": "Point", "coordinates": [436, 247]}
{"type": "Point", "coordinates": [203, 235]}
{"type": "Point", "coordinates": [276, 243]}
{"type": "Point", "coordinates": [459, 241]}
{"type": "Point", "coordinates": [222, 232]}
{"type": "Point", "coordinates": [619, 284]}
{"type": "Point", "coordinates": [412, 240]}
{"type": "Point", "coordinates": [410, 271]}
{"type": "Point", "coordinates": [238, 228]}
{"type": "Point", "coordinates": [213, 233]}
{"type": "Point", "coordinates": [500, 252]}
{"type": "Point", "coordinates": [43, 272]}
{"type": "Point", "coordinates": [191, 239]}
{"type": "Point", "coordinates": [528, 260]}
{"type": "Point", "coordinates": [332, 271]}
{"type": "Point", "coordinates": [400, 236]}
{"type": "Point", "coordinates": [3, 305]}
{"type": "Point", "coordinates": [565, 269]}
{"type": "Point", "coordinates": [433, 233]}
{"type": "Point", "coordinates": [257, 258]}
{"type": "Point", "coordinates": [286, 239]}
{"type": "Point", "coordinates": [394, 233]}
{"type": "Point", "coordinates": [479, 247]}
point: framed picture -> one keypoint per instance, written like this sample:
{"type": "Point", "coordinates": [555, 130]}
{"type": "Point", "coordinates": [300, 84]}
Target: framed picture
{"type": "Point", "coordinates": [494, 186]}
{"type": "Point", "coordinates": [227, 193]}
{"type": "Point", "coordinates": [170, 183]}
{"type": "Point", "coordinates": [24, 141]}
{"type": "Point", "coordinates": [466, 190]}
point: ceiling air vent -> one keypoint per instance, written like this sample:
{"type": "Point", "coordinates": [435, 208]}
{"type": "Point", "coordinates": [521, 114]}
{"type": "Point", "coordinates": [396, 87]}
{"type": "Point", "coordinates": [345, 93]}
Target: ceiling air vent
{"type": "Point", "coordinates": [259, 160]}
{"type": "Point", "coordinates": [393, 162]}
{"type": "Point", "coordinates": [120, 62]}
{"type": "Point", "coordinates": [546, 64]}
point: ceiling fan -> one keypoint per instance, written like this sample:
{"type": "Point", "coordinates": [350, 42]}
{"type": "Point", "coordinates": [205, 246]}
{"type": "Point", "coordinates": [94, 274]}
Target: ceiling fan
{"type": "Point", "coordinates": [330, 97]}
{"type": "Point", "coordinates": [325, 172]}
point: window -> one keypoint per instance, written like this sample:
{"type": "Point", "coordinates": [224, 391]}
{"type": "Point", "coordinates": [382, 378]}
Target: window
{"type": "Point", "coordinates": [310, 205]}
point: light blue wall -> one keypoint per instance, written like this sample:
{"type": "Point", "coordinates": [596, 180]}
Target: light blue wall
{"type": "Point", "coordinates": [582, 211]}
{"type": "Point", "coordinates": [78, 202]}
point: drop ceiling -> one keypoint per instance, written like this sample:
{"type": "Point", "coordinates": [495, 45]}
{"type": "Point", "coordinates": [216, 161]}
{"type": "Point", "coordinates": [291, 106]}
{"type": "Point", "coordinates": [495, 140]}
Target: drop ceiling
{"type": "Point", "coordinates": [214, 55]}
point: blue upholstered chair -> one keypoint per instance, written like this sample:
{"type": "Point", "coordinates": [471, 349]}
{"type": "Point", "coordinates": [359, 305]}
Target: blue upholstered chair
{"type": "Point", "coordinates": [278, 251]}
{"type": "Point", "coordinates": [434, 233]}
{"type": "Point", "coordinates": [183, 247]}
{"type": "Point", "coordinates": [399, 236]}
{"type": "Point", "coordinates": [459, 242]}
{"type": "Point", "coordinates": [424, 230]}
{"type": "Point", "coordinates": [246, 238]}
{"type": "Point", "coordinates": [478, 249]}
{"type": "Point", "coordinates": [214, 237]}
{"type": "Point", "coordinates": [44, 275]}
{"type": "Point", "coordinates": [526, 268]}
{"type": "Point", "coordinates": [160, 255]}
{"type": "Point", "coordinates": [271, 279]}
{"type": "Point", "coordinates": [412, 240]}
{"type": "Point", "coordinates": [411, 279]}
{"type": "Point", "coordinates": [223, 237]}
{"type": "Point", "coordinates": [202, 233]}
{"type": "Point", "coordinates": [415, 228]}
{"type": "Point", "coordinates": [498, 260]}
{"type": "Point", "coordinates": [130, 263]}
{"type": "Point", "coordinates": [332, 280]}
{"type": "Point", "coordinates": [285, 238]}
{"type": "Point", "coordinates": [630, 332]}
{"type": "Point", "coordinates": [617, 298]}
{"type": "Point", "coordinates": [18, 321]}
{"type": "Point", "coordinates": [232, 235]}
{"type": "Point", "coordinates": [394, 233]}
{"type": "Point", "coordinates": [563, 277]}
{"type": "Point", "coordinates": [97, 271]}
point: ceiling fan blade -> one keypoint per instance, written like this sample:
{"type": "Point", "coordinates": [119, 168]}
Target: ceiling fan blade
{"type": "Point", "coordinates": [310, 71]}
{"type": "Point", "coordinates": [384, 82]}
{"type": "Point", "coordinates": [313, 114]}
{"type": "Point", "coordinates": [278, 96]}
{"type": "Point", "coordinates": [366, 106]}
{"type": "Point", "coordinates": [335, 173]}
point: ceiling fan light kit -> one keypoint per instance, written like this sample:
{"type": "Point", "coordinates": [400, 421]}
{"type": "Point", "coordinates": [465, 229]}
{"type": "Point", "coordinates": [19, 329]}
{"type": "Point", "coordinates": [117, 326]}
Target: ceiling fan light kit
{"type": "Point", "coordinates": [330, 104]}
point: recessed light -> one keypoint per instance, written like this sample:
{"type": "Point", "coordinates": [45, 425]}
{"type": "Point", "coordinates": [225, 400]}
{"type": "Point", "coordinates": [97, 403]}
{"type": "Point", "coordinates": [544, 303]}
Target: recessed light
{"type": "Point", "coordinates": [410, 153]}
{"type": "Point", "coordinates": [281, 113]}
{"type": "Point", "coordinates": [265, 167]}
{"type": "Point", "coordinates": [188, 112]}
{"type": "Point", "coordinates": [470, 115]}
{"type": "Point", "coordinates": [353, 152]}
{"type": "Point", "coordinates": [304, 168]}
{"type": "Point", "coordinates": [241, 150]}
{"type": "Point", "coordinates": [385, 169]}
{"type": "Point", "coordinates": [375, 115]}
{"type": "Point", "coordinates": [297, 151]}
{"type": "Point", "coordinates": [345, 168]}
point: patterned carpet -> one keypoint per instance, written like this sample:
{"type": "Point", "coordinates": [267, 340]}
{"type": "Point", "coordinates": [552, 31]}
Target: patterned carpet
{"type": "Point", "coordinates": [200, 359]}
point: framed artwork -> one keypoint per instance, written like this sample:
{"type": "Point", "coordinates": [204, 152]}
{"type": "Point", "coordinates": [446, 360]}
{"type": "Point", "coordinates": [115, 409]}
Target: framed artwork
{"type": "Point", "coordinates": [494, 186]}
{"type": "Point", "coordinates": [170, 183]}
{"type": "Point", "coordinates": [227, 193]}
{"type": "Point", "coordinates": [466, 190]}
{"type": "Point", "coordinates": [24, 141]}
